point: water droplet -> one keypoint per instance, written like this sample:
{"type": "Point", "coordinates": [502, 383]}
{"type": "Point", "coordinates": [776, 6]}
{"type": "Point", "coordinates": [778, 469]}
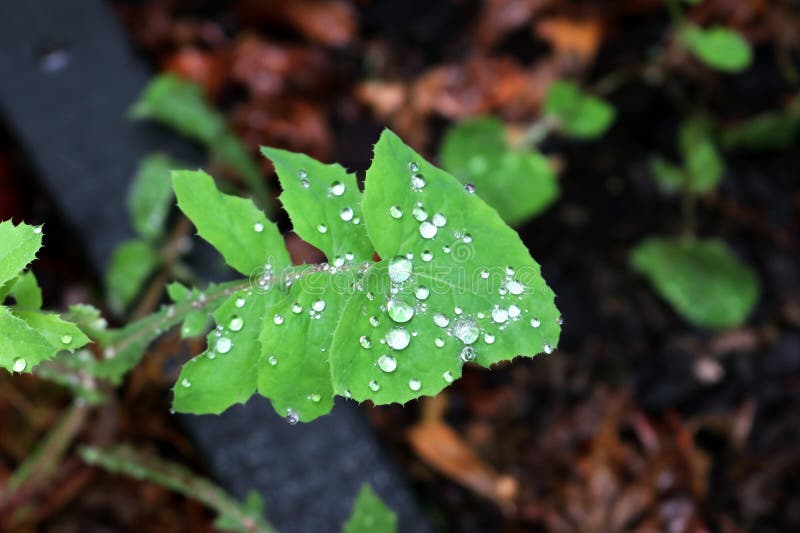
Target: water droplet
{"type": "Point", "coordinates": [509, 271]}
{"type": "Point", "coordinates": [302, 173]}
{"type": "Point", "coordinates": [457, 310]}
{"type": "Point", "coordinates": [338, 261]}
{"type": "Point", "coordinates": [66, 339]}
{"type": "Point", "coordinates": [440, 320]}
{"type": "Point", "coordinates": [346, 214]}
{"type": "Point", "coordinates": [314, 397]}
{"type": "Point", "coordinates": [356, 220]}
{"type": "Point", "coordinates": [414, 384]}
{"type": "Point", "coordinates": [37, 230]}
{"type": "Point", "coordinates": [292, 417]}
{"type": "Point", "coordinates": [547, 349]}
{"type": "Point", "coordinates": [236, 324]}
{"type": "Point", "coordinates": [427, 230]}
{"type": "Point", "coordinates": [318, 306]}
{"type": "Point", "coordinates": [278, 320]}
{"type": "Point", "coordinates": [513, 311]}
{"type": "Point", "coordinates": [535, 322]}
{"type": "Point", "coordinates": [19, 364]}
{"type": "Point", "coordinates": [417, 182]}
{"type": "Point", "coordinates": [347, 393]}
{"type": "Point", "coordinates": [467, 238]}
{"type": "Point", "coordinates": [399, 311]}
{"type": "Point", "coordinates": [272, 360]}
{"type": "Point", "coordinates": [387, 363]}
{"type": "Point", "coordinates": [337, 188]}
{"type": "Point", "coordinates": [258, 227]}
{"type": "Point", "coordinates": [422, 293]}
{"type": "Point", "coordinates": [322, 228]}
{"type": "Point", "coordinates": [374, 322]}
{"type": "Point", "coordinates": [398, 338]}
{"type": "Point", "coordinates": [365, 341]}
{"type": "Point", "coordinates": [561, 321]}
{"type": "Point", "coordinates": [439, 342]}
{"type": "Point", "coordinates": [466, 330]}
{"type": "Point", "coordinates": [400, 268]}
{"type": "Point", "coordinates": [297, 308]}
{"type": "Point", "coordinates": [395, 211]}
{"type": "Point", "coordinates": [499, 315]}
{"type": "Point", "coordinates": [223, 345]}
{"type": "Point", "coordinates": [413, 167]}
{"type": "Point", "coordinates": [484, 274]}
{"type": "Point", "coordinates": [420, 214]}
{"type": "Point", "coordinates": [304, 183]}
{"type": "Point", "coordinates": [239, 302]}
{"type": "Point", "coordinates": [488, 338]}
{"type": "Point", "coordinates": [427, 256]}
{"type": "Point", "coordinates": [448, 377]}
{"type": "Point", "coordinates": [515, 287]}
{"type": "Point", "coordinates": [374, 386]}
{"type": "Point", "coordinates": [470, 188]}
{"type": "Point", "coordinates": [185, 383]}
{"type": "Point", "coordinates": [446, 249]}
{"type": "Point", "coordinates": [439, 220]}
{"type": "Point", "coordinates": [467, 354]}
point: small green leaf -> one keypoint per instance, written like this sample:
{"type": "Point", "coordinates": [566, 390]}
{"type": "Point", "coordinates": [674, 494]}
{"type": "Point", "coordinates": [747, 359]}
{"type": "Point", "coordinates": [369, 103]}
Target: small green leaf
{"type": "Point", "coordinates": [30, 337]}
{"type": "Point", "coordinates": [177, 291]}
{"type": "Point", "coordinates": [519, 184]}
{"type": "Point", "coordinates": [370, 514]}
{"type": "Point", "coordinates": [26, 292]}
{"type": "Point", "coordinates": [455, 287]}
{"type": "Point", "coordinates": [324, 204]}
{"type": "Point", "coordinates": [132, 263]}
{"type": "Point", "coordinates": [577, 114]}
{"type": "Point", "coordinates": [227, 372]}
{"type": "Point", "coordinates": [61, 335]}
{"type": "Point", "coordinates": [771, 130]}
{"type": "Point", "coordinates": [703, 280]}
{"type": "Point", "coordinates": [718, 47]}
{"type": "Point", "coordinates": [670, 178]}
{"type": "Point", "coordinates": [704, 165]}
{"type": "Point", "coordinates": [233, 225]}
{"type": "Point", "coordinates": [195, 324]}
{"type": "Point", "coordinates": [18, 247]}
{"type": "Point", "coordinates": [150, 196]}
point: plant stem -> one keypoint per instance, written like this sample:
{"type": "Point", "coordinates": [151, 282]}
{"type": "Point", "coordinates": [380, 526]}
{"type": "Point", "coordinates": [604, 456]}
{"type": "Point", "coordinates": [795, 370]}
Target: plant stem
{"type": "Point", "coordinates": [689, 213]}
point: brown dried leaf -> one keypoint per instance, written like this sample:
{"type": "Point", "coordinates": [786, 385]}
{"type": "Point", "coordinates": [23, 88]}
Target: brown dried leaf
{"type": "Point", "coordinates": [327, 22]}
{"type": "Point", "coordinates": [574, 39]}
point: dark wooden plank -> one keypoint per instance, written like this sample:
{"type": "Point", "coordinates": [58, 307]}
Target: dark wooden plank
{"type": "Point", "coordinates": [67, 78]}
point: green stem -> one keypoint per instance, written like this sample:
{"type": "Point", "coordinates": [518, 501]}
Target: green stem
{"type": "Point", "coordinates": [122, 459]}
{"type": "Point", "coordinates": [689, 213]}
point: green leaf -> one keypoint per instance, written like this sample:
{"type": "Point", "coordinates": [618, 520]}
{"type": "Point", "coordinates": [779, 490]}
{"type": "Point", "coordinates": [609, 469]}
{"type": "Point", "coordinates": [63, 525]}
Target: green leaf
{"type": "Point", "coordinates": [26, 292]}
{"type": "Point", "coordinates": [370, 514]}
{"type": "Point", "coordinates": [577, 114]}
{"type": "Point", "coordinates": [18, 247]}
{"type": "Point", "coordinates": [233, 225]}
{"type": "Point", "coordinates": [324, 204]}
{"type": "Point", "coordinates": [670, 178]}
{"type": "Point", "coordinates": [132, 263]}
{"type": "Point", "coordinates": [177, 291]}
{"type": "Point", "coordinates": [702, 280]}
{"type": "Point", "coordinates": [771, 130]}
{"type": "Point", "coordinates": [227, 372]}
{"type": "Point", "coordinates": [150, 196]}
{"type": "Point", "coordinates": [704, 165]}
{"type": "Point", "coordinates": [61, 335]}
{"type": "Point", "coordinates": [718, 47]}
{"type": "Point", "coordinates": [519, 184]}
{"type": "Point", "coordinates": [252, 508]}
{"type": "Point", "coordinates": [29, 337]}
{"type": "Point", "coordinates": [465, 265]}
{"type": "Point", "coordinates": [179, 104]}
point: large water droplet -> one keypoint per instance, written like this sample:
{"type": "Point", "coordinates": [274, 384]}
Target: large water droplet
{"type": "Point", "coordinates": [19, 364]}
{"type": "Point", "coordinates": [414, 384]}
{"type": "Point", "coordinates": [278, 320]}
{"type": "Point", "coordinates": [515, 287]}
{"type": "Point", "coordinates": [239, 302]}
{"type": "Point", "coordinates": [440, 320]}
{"type": "Point", "coordinates": [399, 311]}
{"type": "Point", "coordinates": [427, 256]}
{"type": "Point", "coordinates": [439, 220]}
{"type": "Point", "coordinates": [467, 354]}
{"type": "Point", "coordinates": [400, 268]}
{"type": "Point", "coordinates": [466, 330]}
{"type": "Point", "coordinates": [398, 338]}
{"type": "Point", "coordinates": [374, 386]}
{"type": "Point", "coordinates": [292, 417]}
{"type": "Point", "coordinates": [395, 211]}
{"type": "Point", "coordinates": [387, 363]}
{"type": "Point", "coordinates": [365, 341]}
{"type": "Point", "coordinates": [417, 182]}
{"type": "Point", "coordinates": [513, 311]}
{"type": "Point", "coordinates": [318, 306]}
{"type": "Point", "coordinates": [499, 315]}
{"type": "Point", "coordinates": [488, 338]}
{"type": "Point", "coordinates": [223, 345]}
{"type": "Point", "coordinates": [420, 214]}
{"type": "Point", "coordinates": [236, 324]}
{"type": "Point", "coordinates": [258, 227]}
{"type": "Point", "coordinates": [337, 188]}
{"type": "Point", "coordinates": [427, 230]}
{"type": "Point", "coordinates": [346, 214]}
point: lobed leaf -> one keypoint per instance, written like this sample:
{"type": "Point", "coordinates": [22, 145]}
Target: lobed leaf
{"type": "Point", "coordinates": [518, 183]}
{"type": "Point", "coordinates": [18, 247]}
{"type": "Point", "coordinates": [26, 292]}
{"type": "Point", "coordinates": [702, 279]}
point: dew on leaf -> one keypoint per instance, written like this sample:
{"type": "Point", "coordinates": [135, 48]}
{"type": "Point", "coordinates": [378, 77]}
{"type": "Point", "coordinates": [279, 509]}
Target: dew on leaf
{"type": "Point", "coordinates": [223, 345]}
{"type": "Point", "coordinates": [413, 166]}
{"type": "Point", "coordinates": [514, 287]}
{"type": "Point", "coordinates": [346, 214]}
{"type": "Point", "coordinates": [470, 188]}
{"type": "Point", "coordinates": [446, 249]}
{"type": "Point", "coordinates": [185, 383]}
{"type": "Point", "coordinates": [304, 183]}
{"type": "Point", "coordinates": [420, 214]}
{"type": "Point", "coordinates": [37, 230]}
{"type": "Point", "coordinates": [535, 322]}
{"type": "Point", "coordinates": [439, 220]}
{"type": "Point", "coordinates": [488, 338]}
{"type": "Point", "coordinates": [400, 268]}
{"type": "Point", "coordinates": [427, 230]}
{"type": "Point", "coordinates": [374, 386]}
{"type": "Point", "coordinates": [399, 311]}
{"type": "Point", "coordinates": [239, 302]}
{"type": "Point", "coordinates": [499, 315]}
{"type": "Point", "coordinates": [448, 376]}
{"type": "Point", "coordinates": [547, 349]}
{"type": "Point", "coordinates": [387, 363]}
{"type": "Point", "coordinates": [272, 360]}
{"type": "Point", "coordinates": [484, 274]}
{"type": "Point", "coordinates": [314, 397]}
{"type": "Point", "coordinates": [365, 341]}
{"type": "Point", "coordinates": [513, 311]}
{"type": "Point", "coordinates": [374, 322]}
{"type": "Point", "coordinates": [292, 417]}
{"type": "Point", "coordinates": [236, 324]}
{"type": "Point", "coordinates": [322, 228]}
{"type": "Point", "coordinates": [278, 320]}
{"type": "Point", "coordinates": [395, 212]}
{"type": "Point", "coordinates": [398, 338]}
{"type": "Point", "coordinates": [297, 308]}
{"type": "Point", "coordinates": [417, 182]}
{"type": "Point", "coordinates": [422, 293]}
{"type": "Point", "coordinates": [19, 364]}
{"type": "Point", "coordinates": [414, 384]}
{"type": "Point", "coordinates": [66, 339]}
{"type": "Point", "coordinates": [457, 310]}
{"type": "Point", "coordinates": [561, 321]}
{"type": "Point", "coordinates": [466, 330]}
{"type": "Point", "coordinates": [258, 227]}
{"type": "Point", "coordinates": [467, 354]}
{"type": "Point", "coordinates": [427, 256]}
{"type": "Point", "coordinates": [302, 173]}
{"type": "Point", "coordinates": [439, 342]}
{"type": "Point", "coordinates": [440, 320]}
{"type": "Point", "coordinates": [337, 188]}
{"type": "Point", "coordinates": [467, 238]}
{"type": "Point", "coordinates": [318, 306]}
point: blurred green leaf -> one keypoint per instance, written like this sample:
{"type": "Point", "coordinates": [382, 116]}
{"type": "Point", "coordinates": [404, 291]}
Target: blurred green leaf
{"type": "Point", "coordinates": [132, 263]}
{"type": "Point", "coordinates": [702, 279]}
{"type": "Point", "coordinates": [670, 178]}
{"type": "Point", "coordinates": [370, 514]}
{"type": "Point", "coordinates": [577, 114]}
{"type": "Point", "coordinates": [519, 184]}
{"type": "Point", "coordinates": [150, 197]}
{"type": "Point", "coordinates": [771, 130]}
{"type": "Point", "coordinates": [718, 47]}
{"type": "Point", "coordinates": [703, 163]}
